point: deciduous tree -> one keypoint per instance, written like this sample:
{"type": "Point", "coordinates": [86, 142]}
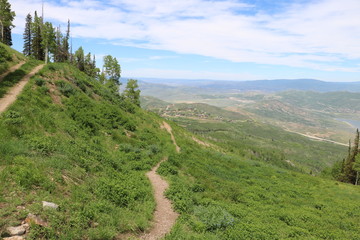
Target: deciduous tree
{"type": "Point", "coordinates": [132, 92]}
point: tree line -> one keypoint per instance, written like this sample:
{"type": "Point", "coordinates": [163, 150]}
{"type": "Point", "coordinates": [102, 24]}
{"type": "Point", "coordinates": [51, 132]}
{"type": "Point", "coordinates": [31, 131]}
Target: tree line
{"type": "Point", "coordinates": [348, 170]}
{"type": "Point", "coordinates": [43, 41]}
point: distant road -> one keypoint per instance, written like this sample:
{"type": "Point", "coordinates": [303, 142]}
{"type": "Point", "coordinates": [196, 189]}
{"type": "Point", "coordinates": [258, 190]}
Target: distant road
{"type": "Point", "coordinates": [318, 138]}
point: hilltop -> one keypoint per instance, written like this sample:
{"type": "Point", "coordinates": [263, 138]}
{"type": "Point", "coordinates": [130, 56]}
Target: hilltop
{"type": "Point", "coordinates": [69, 140]}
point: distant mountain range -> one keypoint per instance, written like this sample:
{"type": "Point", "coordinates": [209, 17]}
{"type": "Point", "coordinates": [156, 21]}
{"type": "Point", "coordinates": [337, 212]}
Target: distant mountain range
{"type": "Point", "coordinates": [277, 85]}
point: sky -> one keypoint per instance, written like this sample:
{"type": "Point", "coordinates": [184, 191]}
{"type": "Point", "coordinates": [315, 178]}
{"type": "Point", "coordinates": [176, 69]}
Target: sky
{"type": "Point", "coordinates": [212, 39]}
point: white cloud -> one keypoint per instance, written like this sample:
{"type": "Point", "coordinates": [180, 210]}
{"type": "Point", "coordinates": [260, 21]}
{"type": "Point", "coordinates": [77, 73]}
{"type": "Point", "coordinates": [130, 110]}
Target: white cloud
{"type": "Point", "coordinates": [321, 35]}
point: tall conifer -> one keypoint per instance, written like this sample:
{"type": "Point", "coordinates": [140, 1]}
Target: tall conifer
{"type": "Point", "coordinates": [27, 36]}
{"type": "Point", "coordinates": [37, 48]}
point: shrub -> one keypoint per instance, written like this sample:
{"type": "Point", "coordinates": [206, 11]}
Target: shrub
{"type": "Point", "coordinates": [39, 81]}
{"type": "Point", "coordinates": [65, 88]}
{"type": "Point", "coordinates": [43, 145]}
{"type": "Point", "coordinates": [213, 217]}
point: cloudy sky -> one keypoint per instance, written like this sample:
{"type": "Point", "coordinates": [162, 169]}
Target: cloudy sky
{"type": "Point", "coordinates": [213, 39]}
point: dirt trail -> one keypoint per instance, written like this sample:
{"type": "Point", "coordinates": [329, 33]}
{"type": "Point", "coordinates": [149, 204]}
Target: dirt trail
{"type": "Point", "coordinates": [10, 97]}
{"type": "Point", "coordinates": [12, 69]}
{"type": "Point", "coordinates": [168, 128]}
{"type": "Point", "coordinates": [164, 216]}
{"type": "Point", "coordinates": [318, 138]}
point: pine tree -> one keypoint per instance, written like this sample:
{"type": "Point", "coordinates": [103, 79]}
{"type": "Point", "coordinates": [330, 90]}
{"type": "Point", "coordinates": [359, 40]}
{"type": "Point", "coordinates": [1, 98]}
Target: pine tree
{"type": "Point", "coordinates": [80, 59]}
{"type": "Point", "coordinates": [27, 36]}
{"type": "Point", "coordinates": [132, 92]}
{"type": "Point", "coordinates": [65, 44]}
{"type": "Point", "coordinates": [48, 40]}
{"type": "Point", "coordinates": [6, 18]}
{"type": "Point", "coordinates": [349, 174]}
{"type": "Point", "coordinates": [37, 48]}
{"type": "Point", "coordinates": [57, 53]}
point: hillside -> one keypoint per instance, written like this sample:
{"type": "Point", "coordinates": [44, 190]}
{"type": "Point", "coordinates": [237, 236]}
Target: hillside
{"type": "Point", "coordinates": [242, 134]}
{"type": "Point", "coordinates": [276, 85]}
{"type": "Point", "coordinates": [8, 58]}
{"type": "Point", "coordinates": [69, 140]}
{"type": "Point", "coordinates": [329, 115]}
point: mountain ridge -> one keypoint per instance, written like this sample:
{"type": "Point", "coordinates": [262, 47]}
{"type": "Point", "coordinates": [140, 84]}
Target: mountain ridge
{"type": "Point", "coordinates": [275, 85]}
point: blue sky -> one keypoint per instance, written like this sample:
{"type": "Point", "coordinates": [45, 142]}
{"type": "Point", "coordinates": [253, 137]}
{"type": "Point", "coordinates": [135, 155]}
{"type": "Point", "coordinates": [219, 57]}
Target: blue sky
{"type": "Point", "coordinates": [213, 39]}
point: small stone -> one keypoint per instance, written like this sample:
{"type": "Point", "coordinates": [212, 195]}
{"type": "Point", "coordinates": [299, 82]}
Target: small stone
{"type": "Point", "coordinates": [33, 219]}
{"type": "Point", "coordinates": [49, 205]}
{"type": "Point", "coordinates": [20, 207]}
{"type": "Point", "coordinates": [26, 226]}
{"type": "Point", "coordinates": [19, 230]}
{"type": "Point", "coordinates": [14, 238]}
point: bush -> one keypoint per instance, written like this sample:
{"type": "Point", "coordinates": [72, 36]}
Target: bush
{"type": "Point", "coordinates": [39, 81]}
{"type": "Point", "coordinates": [65, 88]}
{"type": "Point", "coordinates": [213, 217]}
{"type": "Point", "coordinates": [43, 145]}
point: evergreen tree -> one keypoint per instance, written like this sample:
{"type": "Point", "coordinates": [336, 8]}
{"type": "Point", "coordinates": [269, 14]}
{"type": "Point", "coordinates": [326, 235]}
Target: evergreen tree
{"type": "Point", "coordinates": [80, 59]}
{"type": "Point", "coordinates": [132, 92]}
{"type": "Point", "coordinates": [48, 40]}
{"type": "Point", "coordinates": [6, 18]}
{"type": "Point", "coordinates": [90, 66]}
{"type": "Point", "coordinates": [27, 36]}
{"type": "Point", "coordinates": [65, 44]}
{"type": "Point", "coordinates": [57, 53]}
{"type": "Point", "coordinates": [349, 173]}
{"type": "Point", "coordinates": [37, 47]}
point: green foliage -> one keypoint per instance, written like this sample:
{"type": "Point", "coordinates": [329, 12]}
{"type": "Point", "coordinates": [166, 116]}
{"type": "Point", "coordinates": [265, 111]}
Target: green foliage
{"type": "Point", "coordinates": [12, 78]}
{"type": "Point", "coordinates": [6, 18]}
{"type": "Point", "coordinates": [79, 153]}
{"type": "Point", "coordinates": [39, 81]}
{"type": "Point", "coordinates": [65, 88]}
{"type": "Point", "coordinates": [132, 92]}
{"type": "Point", "coordinates": [6, 57]}
{"type": "Point", "coordinates": [213, 217]}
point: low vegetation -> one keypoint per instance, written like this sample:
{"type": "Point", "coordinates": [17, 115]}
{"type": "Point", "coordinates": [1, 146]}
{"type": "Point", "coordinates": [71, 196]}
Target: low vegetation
{"type": "Point", "coordinates": [70, 140]}
{"type": "Point", "coordinates": [14, 77]}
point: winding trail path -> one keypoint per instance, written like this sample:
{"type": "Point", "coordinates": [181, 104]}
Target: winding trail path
{"type": "Point", "coordinates": [164, 216]}
{"type": "Point", "coordinates": [10, 97]}
{"type": "Point", "coordinates": [12, 69]}
{"type": "Point", "coordinates": [168, 128]}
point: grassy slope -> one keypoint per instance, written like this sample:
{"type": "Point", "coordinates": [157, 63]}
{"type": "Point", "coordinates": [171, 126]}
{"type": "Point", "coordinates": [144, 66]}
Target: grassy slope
{"type": "Point", "coordinates": [69, 140]}
{"type": "Point", "coordinates": [253, 139]}
{"type": "Point", "coordinates": [14, 77]}
{"type": "Point", "coordinates": [266, 143]}
{"type": "Point", "coordinates": [222, 197]}
{"type": "Point", "coordinates": [9, 57]}
{"type": "Point", "coordinates": [65, 140]}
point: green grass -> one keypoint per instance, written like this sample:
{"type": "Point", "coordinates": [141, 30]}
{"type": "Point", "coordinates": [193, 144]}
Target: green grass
{"type": "Point", "coordinates": [14, 77]}
{"type": "Point", "coordinates": [68, 140]}
{"type": "Point", "coordinates": [8, 57]}
{"type": "Point", "coordinates": [76, 153]}
{"type": "Point", "coordinates": [222, 197]}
